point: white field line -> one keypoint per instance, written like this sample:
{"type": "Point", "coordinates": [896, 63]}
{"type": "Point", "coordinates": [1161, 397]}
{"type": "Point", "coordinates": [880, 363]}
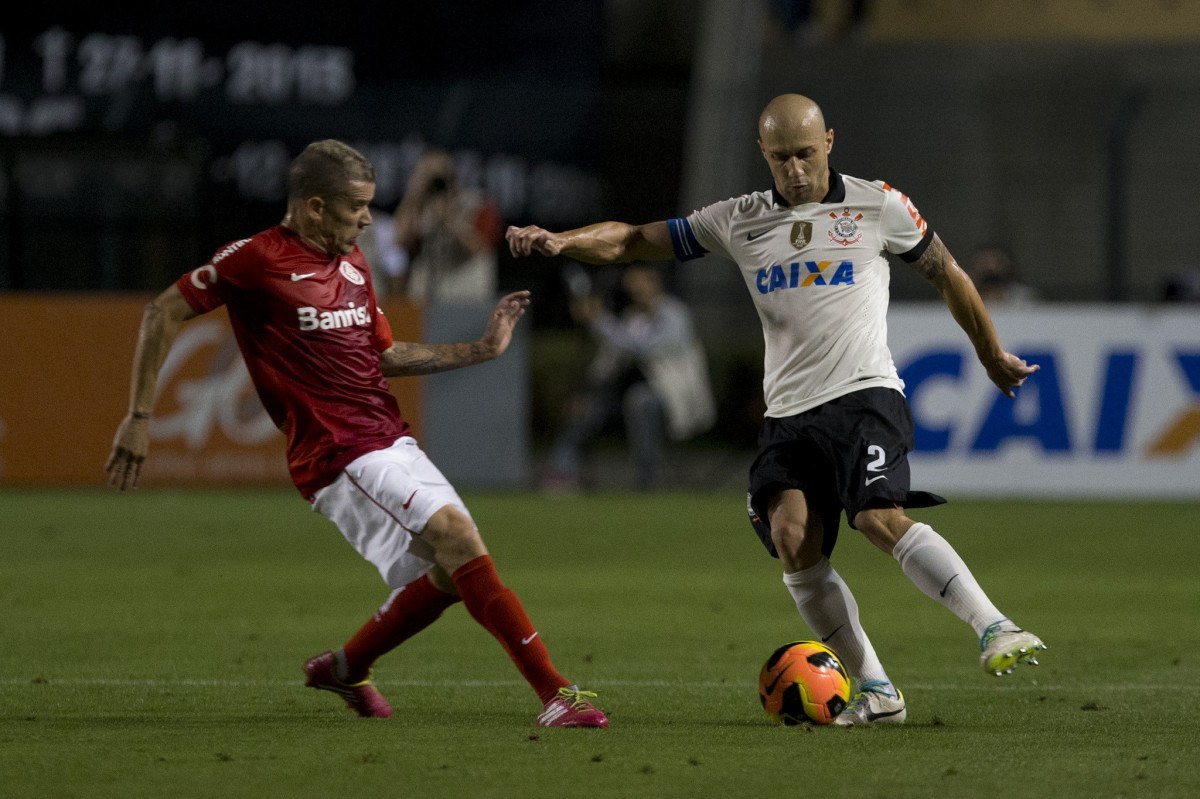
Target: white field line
{"type": "Point", "coordinates": [599, 683]}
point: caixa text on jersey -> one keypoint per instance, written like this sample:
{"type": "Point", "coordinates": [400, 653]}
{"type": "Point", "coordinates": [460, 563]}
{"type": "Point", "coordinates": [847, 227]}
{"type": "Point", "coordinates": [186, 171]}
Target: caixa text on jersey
{"type": "Point", "coordinates": [804, 273]}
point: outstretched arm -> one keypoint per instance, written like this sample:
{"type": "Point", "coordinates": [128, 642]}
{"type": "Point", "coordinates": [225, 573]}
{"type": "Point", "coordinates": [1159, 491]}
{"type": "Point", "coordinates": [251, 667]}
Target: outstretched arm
{"type": "Point", "coordinates": [937, 266]}
{"type": "Point", "coordinates": [160, 324]}
{"type": "Point", "coordinates": [602, 243]}
{"type": "Point", "coordinates": [404, 359]}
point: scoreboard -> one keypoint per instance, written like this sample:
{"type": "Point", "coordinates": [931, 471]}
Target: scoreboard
{"type": "Point", "coordinates": [133, 145]}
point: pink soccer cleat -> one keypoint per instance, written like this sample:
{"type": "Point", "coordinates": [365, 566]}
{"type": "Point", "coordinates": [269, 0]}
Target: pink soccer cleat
{"type": "Point", "coordinates": [362, 697]}
{"type": "Point", "coordinates": [570, 709]}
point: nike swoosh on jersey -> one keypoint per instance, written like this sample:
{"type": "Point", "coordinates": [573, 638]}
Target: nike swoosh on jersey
{"type": "Point", "coordinates": [873, 479]}
{"type": "Point", "coordinates": [408, 501]}
{"type": "Point", "coordinates": [761, 233]}
{"type": "Point", "coordinates": [296, 277]}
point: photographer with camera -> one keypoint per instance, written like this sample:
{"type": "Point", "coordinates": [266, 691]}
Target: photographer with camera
{"type": "Point", "coordinates": [450, 235]}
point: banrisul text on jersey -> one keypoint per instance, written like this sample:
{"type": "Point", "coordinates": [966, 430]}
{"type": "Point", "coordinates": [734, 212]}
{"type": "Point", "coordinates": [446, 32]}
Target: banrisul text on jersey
{"type": "Point", "coordinates": [312, 319]}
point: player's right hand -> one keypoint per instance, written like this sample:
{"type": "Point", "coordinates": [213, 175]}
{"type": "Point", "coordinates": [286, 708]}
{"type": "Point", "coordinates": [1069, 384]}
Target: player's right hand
{"type": "Point", "coordinates": [130, 446]}
{"type": "Point", "coordinates": [1008, 372]}
{"type": "Point", "coordinates": [498, 334]}
{"type": "Point", "coordinates": [526, 240]}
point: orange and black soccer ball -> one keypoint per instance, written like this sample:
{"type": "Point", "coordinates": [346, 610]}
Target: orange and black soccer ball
{"type": "Point", "coordinates": [803, 683]}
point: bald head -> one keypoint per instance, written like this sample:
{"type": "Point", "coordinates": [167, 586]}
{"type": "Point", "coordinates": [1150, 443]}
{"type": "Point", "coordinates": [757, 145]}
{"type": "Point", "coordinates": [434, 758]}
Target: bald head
{"type": "Point", "coordinates": [796, 145]}
{"type": "Point", "coordinates": [790, 112]}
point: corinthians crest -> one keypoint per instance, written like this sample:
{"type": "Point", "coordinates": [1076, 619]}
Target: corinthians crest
{"type": "Point", "coordinates": [845, 228]}
{"type": "Point", "coordinates": [801, 234]}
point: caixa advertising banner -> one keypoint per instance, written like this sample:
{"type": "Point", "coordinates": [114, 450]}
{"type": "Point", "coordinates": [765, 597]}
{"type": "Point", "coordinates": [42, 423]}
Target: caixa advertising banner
{"type": "Point", "coordinates": [1114, 410]}
{"type": "Point", "coordinates": [65, 363]}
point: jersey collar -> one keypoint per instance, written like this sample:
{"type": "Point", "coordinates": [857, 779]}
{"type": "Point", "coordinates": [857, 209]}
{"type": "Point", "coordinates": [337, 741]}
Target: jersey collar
{"type": "Point", "coordinates": [836, 193]}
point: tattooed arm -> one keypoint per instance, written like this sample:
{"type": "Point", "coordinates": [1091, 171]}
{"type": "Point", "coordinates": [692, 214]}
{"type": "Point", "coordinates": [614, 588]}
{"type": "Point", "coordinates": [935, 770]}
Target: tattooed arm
{"type": "Point", "coordinates": [937, 266]}
{"type": "Point", "coordinates": [404, 359]}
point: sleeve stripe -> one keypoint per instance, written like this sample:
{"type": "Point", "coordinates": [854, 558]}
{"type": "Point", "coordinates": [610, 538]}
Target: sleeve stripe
{"type": "Point", "coordinates": [919, 250]}
{"type": "Point", "coordinates": [683, 241]}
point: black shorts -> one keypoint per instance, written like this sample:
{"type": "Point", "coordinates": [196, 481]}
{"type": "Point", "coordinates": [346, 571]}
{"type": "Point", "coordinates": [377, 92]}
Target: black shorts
{"type": "Point", "coordinates": [846, 455]}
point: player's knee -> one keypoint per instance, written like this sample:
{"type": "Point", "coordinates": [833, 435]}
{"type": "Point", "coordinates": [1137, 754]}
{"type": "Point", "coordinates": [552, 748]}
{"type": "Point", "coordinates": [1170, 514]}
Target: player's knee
{"type": "Point", "coordinates": [453, 535]}
{"type": "Point", "coordinates": [789, 542]}
{"type": "Point", "coordinates": [797, 542]}
{"type": "Point", "coordinates": [882, 526]}
{"type": "Point", "coordinates": [442, 581]}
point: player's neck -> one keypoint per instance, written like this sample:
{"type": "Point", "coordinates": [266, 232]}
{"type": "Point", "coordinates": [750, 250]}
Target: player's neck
{"type": "Point", "coordinates": [308, 237]}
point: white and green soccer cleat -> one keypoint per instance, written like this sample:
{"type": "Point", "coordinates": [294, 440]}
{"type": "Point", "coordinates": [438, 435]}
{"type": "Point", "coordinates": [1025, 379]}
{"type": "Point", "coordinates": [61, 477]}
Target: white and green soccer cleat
{"type": "Point", "coordinates": [1003, 650]}
{"type": "Point", "coordinates": [873, 704]}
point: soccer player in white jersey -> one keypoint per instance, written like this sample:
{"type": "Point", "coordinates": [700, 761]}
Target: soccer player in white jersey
{"type": "Point", "coordinates": [838, 429]}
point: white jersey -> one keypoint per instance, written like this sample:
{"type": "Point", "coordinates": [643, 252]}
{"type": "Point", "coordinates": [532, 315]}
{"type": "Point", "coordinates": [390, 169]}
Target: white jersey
{"type": "Point", "coordinates": [819, 277]}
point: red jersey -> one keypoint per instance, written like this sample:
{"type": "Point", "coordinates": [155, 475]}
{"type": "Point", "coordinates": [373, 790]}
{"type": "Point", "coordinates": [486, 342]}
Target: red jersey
{"type": "Point", "coordinates": [310, 331]}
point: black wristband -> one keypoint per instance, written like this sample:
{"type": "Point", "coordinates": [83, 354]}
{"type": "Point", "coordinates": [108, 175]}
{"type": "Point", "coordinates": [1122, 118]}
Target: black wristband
{"type": "Point", "coordinates": [139, 415]}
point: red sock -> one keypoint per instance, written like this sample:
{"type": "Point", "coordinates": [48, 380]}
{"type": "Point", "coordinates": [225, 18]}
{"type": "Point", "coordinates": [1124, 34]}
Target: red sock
{"type": "Point", "coordinates": [497, 608]}
{"type": "Point", "coordinates": [408, 611]}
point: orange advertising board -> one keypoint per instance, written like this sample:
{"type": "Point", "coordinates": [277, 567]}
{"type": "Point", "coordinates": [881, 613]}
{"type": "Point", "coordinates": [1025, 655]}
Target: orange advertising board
{"type": "Point", "coordinates": [65, 362]}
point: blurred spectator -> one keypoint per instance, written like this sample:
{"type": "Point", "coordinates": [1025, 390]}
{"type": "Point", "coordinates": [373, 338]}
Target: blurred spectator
{"type": "Point", "coordinates": [448, 234]}
{"type": "Point", "coordinates": [995, 276]}
{"type": "Point", "coordinates": [650, 365]}
{"type": "Point", "coordinates": [1182, 286]}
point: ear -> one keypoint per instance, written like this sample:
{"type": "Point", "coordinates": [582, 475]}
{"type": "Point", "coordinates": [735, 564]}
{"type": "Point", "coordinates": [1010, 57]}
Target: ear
{"type": "Point", "coordinates": [314, 208]}
{"type": "Point", "coordinates": [828, 141]}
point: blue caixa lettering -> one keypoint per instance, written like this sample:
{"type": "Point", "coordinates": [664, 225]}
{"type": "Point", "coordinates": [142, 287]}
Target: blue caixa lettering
{"type": "Point", "coordinates": [808, 273]}
{"type": "Point", "coordinates": [1039, 415]}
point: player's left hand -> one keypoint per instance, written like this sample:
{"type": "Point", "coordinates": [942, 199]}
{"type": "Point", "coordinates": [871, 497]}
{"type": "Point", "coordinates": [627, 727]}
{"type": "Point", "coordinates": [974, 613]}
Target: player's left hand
{"type": "Point", "coordinates": [130, 445]}
{"type": "Point", "coordinates": [498, 334]}
{"type": "Point", "coordinates": [1009, 372]}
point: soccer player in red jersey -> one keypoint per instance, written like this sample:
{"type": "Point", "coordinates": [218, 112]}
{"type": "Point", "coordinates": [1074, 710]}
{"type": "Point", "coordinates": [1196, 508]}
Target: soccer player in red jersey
{"type": "Point", "coordinates": [319, 350]}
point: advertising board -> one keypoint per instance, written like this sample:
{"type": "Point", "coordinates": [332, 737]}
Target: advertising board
{"type": "Point", "coordinates": [64, 386]}
{"type": "Point", "coordinates": [1114, 410]}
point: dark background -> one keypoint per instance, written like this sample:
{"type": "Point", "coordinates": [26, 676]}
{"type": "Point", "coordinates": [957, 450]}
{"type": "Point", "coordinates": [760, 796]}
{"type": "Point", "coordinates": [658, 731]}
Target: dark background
{"type": "Point", "coordinates": [126, 189]}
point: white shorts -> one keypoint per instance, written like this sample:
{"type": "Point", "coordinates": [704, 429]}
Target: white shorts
{"type": "Point", "coordinates": [382, 501]}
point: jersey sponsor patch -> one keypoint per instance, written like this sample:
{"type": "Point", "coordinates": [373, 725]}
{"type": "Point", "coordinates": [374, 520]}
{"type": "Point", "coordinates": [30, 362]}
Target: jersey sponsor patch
{"type": "Point", "coordinates": [803, 274]}
{"type": "Point", "coordinates": [229, 250]}
{"type": "Point", "coordinates": [312, 319]}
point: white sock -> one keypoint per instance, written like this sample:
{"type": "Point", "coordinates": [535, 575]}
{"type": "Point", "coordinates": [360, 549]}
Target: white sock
{"type": "Point", "coordinates": [934, 567]}
{"type": "Point", "coordinates": [828, 608]}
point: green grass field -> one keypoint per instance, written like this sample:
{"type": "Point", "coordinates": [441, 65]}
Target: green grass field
{"type": "Point", "coordinates": [152, 646]}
